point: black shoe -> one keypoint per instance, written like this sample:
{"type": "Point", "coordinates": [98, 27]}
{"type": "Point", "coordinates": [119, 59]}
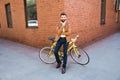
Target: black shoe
{"type": "Point", "coordinates": [63, 70]}
{"type": "Point", "coordinates": [58, 65]}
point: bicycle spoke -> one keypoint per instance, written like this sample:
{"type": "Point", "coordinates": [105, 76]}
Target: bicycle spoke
{"type": "Point", "coordinates": [47, 55]}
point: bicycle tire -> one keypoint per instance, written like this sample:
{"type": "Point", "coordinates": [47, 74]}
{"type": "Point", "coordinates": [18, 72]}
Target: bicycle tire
{"type": "Point", "coordinates": [81, 57]}
{"type": "Point", "coordinates": [47, 57]}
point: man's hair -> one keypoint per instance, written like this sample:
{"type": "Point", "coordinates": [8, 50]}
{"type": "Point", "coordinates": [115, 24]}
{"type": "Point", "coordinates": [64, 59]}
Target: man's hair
{"type": "Point", "coordinates": [63, 13]}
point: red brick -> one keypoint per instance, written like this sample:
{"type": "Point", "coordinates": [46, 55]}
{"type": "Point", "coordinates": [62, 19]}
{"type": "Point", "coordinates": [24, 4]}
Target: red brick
{"type": "Point", "coordinates": [84, 18]}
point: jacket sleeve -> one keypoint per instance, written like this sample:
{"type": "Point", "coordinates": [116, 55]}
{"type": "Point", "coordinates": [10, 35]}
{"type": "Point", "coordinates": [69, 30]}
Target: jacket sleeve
{"type": "Point", "coordinates": [59, 29]}
{"type": "Point", "coordinates": [58, 32]}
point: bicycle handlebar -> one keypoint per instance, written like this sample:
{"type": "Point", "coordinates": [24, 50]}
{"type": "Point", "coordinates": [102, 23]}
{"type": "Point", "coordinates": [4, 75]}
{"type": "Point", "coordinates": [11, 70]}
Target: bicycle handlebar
{"type": "Point", "coordinates": [74, 39]}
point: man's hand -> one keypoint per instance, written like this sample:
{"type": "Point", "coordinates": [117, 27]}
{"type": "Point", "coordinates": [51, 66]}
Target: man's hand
{"type": "Point", "coordinates": [65, 33]}
{"type": "Point", "coordinates": [59, 31]}
{"type": "Point", "coordinates": [63, 23]}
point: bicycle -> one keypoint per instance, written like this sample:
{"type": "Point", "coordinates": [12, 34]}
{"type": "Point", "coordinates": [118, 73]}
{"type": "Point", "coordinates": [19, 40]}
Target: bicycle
{"type": "Point", "coordinates": [80, 56]}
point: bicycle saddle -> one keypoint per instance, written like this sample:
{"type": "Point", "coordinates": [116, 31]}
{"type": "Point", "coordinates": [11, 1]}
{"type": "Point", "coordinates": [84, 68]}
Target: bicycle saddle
{"type": "Point", "coordinates": [51, 38]}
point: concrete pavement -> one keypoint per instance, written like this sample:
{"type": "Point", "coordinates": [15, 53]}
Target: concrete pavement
{"type": "Point", "coordinates": [21, 62]}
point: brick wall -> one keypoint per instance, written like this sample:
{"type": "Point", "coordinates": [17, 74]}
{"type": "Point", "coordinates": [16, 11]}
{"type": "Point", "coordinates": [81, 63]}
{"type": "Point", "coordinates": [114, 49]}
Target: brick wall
{"type": "Point", "coordinates": [83, 17]}
{"type": "Point", "coordinates": [48, 16]}
{"type": "Point", "coordinates": [0, 21]}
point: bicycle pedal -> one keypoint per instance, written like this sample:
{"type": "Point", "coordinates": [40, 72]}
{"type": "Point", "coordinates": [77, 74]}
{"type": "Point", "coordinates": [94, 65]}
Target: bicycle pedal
{"type": "Point", "coordinates": [61, 59]}
{"type": "Point", "coordinates": [79, 56]}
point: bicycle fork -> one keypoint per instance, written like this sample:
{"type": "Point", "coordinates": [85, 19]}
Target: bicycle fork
{"type": "Point", "coordinates": [76, 50]}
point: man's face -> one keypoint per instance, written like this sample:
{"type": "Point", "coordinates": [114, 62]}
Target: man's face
{"type": "Point", "coordinates": [63, 18]}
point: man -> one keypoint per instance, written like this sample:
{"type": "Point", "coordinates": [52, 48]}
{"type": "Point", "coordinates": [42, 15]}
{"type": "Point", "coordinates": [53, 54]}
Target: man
{"type": "Point", "coordinates": [62, 38]}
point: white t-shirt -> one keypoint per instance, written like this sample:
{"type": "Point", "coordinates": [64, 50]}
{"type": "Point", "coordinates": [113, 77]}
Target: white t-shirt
{"type": "Point", "coordinates": [63, 35]}
{"type": "Point", "coordinates": [63, 29]}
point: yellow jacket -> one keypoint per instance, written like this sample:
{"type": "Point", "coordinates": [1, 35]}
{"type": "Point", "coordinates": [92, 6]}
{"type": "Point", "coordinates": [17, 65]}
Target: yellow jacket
{"type": "Point", "coordinates": [59, 32]}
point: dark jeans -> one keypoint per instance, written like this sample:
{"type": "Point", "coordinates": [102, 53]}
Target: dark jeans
{"type": "Point", "coordinates": [60, 42]}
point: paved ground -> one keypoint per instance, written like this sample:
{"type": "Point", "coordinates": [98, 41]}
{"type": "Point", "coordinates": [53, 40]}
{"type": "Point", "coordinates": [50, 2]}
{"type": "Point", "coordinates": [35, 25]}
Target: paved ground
{"type": "Point", "coordinates": [21, 62]}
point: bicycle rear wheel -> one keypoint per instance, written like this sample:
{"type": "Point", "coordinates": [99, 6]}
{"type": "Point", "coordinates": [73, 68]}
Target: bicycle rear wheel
{"type": "Point", "coordinates": [46, 55]}
{"type": "Point", "coordinates": [80, 56]}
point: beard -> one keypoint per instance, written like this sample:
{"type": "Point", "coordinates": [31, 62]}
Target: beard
{"type": "Point", "coordinates": [62, 20]}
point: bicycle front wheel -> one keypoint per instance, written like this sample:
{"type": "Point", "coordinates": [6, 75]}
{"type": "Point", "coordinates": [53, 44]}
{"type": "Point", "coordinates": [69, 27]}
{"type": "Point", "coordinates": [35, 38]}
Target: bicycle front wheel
{"type": "Point", "coordinates": [46, 55]}
{"type": "Point", "coordinates": [80, 56]}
